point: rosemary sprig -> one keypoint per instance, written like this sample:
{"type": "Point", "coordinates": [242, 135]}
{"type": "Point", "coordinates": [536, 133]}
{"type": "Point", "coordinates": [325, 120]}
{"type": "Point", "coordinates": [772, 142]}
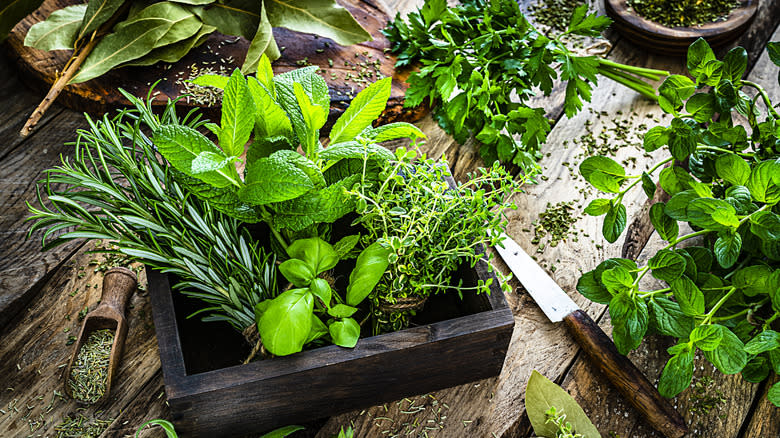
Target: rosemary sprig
{"type": "Point", "coordinates": [117, 188]}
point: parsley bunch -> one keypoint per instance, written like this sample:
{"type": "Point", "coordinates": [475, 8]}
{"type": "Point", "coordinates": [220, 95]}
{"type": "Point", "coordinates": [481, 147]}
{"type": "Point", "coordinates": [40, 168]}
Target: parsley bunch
{"type": "Point", "coordinates": [482, 60]}
{"type": "Point", "coordinates": [723, 296]}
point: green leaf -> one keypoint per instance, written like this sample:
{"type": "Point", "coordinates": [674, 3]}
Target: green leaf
{"type": "Point", "coordinates": [273, 179]}
{"type": "Point", "coordinates": [207, 162]}
{"type": "Point", "coordinates": [129, 42]}
{"type": "Point", "coordinates": [765, 225]}
{"type": "Point", "coordinates": [297, 272]}
{"type": "Point", "coordinates": [263, 43]}
{"type": "Point", "coordinates": [603, 173]}
{"type": "Point", "coordinates": [773, 395]}
{"type": "Point", "coordinates": [699, 54]}
{"type": "Point", "coordinates": [773, 49]}
{"type": "Point", "coordinates": [727, 248]}
{"type": "Point", "coordinates": [181, 145]}
{"type": "Point", "coordinates": [762, 342]}
{"type": "Point", "coordinates": [318, 254]}
{"type": "Point", "coordinates": [345, 245]}
{"type": "Point", "coordinates": [184, 24]}
{"type": "Point", "coordinates": [674, 91]}
{"type": "Point", "coordinates": [321, 289]}
{"type": "Point", "coordinates": [688, 295]}
{"type": "Point", "coordinates": [656, 137]}
{"type": "Point", "coordinates": [668, 318]}
{"type": "Point", "coordinates": [592, 288]}
{"type": "Point", "coordinates": [617, 279]}
{"type": "Point", "coordinates": [588, 25]}
{"type": "Point", "coordinates": [540, 395]}
{"type": "Point", "coordinates": [701, 106]}
{"type": "Point", "coordinates": [58, 31]}
{"type": "Point", "coordinates": [666, 227]}
{"type": "Point", "coordinates": [729, 357]}
{"type": "Point", "coordinates": [393, 131]}
{"type": "Point", "coordinates": [598, 207]}
{"type": "Point", "coordinates": [732, 169]}
{"type": "Point", "coordinates": [735, 64]}
{"type": "Point", "coordinates": [173, 52]}
{"type": "Point", "coordinates": [270, 118]}
{"type": "Point", "coordinates": [666, 265]}
{"type": "Point", "coordinates": [238, 115]}
{"type": "Point", "coordinates": [313, 116]}
{"type": "Point", "coordinates": [674, 180]}
{"type": "Point", "coordinates": [283, 432]}
{"type": "Point", "coordinates": [322, 17]}
{"type": "Point", "coordinates": [96, 13]}
{"type": "Point", "coordinates": [677, 207]}
{"type": "Point", "coordinates": [761, 183]}
{"type": "Point", "coordinates": [320, 206]}
{"type": "Point", "coordinates": [756, 370]}
{"type": "Point", "coordinates": [354, 149]}
{"type": "Point", "coordinates": [13, 11]}
{"type": "Point", "coordinates": [629, 319]}
{"type": "Point", "coordinates": [701, 210]}
{"type": "Point", "coordinates": [614, 223]}
{"type": "Point", "coordinates": [364, 109]}
{"type": "Point", "coordinates": [345, 333]}
{"type": "Point", "coordinates": [318, 329]}
{"type": "Point", "coordinates": [233, 17]}
{"type": "Point", "coordinates": [753, 280]}
{"type": "Point", "coordinates": [216, 81]}
{"type": "Point", "coordinates": [677, 374]}
{"type": "Point", "coordinates": [167, 427]}
{"type": "Point", "coordinates": [342, 311]}
{"type": "Point", "coordinates": [369, 269]}
{"type": "Point", "coordinates": [648, 185]}
{"type": "Point", "coordinates": [286, 323]}
{"type": "Point", "coordinates": [707, 337]}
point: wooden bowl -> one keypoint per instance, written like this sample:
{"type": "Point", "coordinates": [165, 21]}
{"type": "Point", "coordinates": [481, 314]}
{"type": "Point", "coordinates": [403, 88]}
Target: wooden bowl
{"type": "Point", "coordinates": [675, 40]}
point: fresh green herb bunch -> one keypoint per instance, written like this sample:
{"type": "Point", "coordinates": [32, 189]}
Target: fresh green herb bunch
{"type": "Point", "coordinates": [565, 429]}
{"type": "Point", "coordinates": [151, 217]}
{"type": "Point", "coordinates": [722, 297]}
{"type": "Point", "coordinates": [293, 193]}
{"type": "Point", "coordinates": [430, 228]}
{"type": "Point", "coordinates": [674, 13]}
{"type": "Point", "coordinates": [482, 60]}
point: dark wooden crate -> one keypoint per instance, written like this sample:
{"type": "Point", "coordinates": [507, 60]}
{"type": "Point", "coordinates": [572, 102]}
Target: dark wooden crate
{"type": "Point", "coordinates": [263, 395]}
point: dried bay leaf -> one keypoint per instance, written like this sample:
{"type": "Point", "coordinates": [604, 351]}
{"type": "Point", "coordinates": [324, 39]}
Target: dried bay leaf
{"type": "Point", "coordinates": [131, 42]}
{"type": "Point", "coordinates": [322, 17]}
{"type": "Point", "coordinates": [58, 31]}
{"type": "Point", "coordinates": [173, 52]}
{"type": "Point", "coordinates": [233, 17]}
{"type": "Point", "coordinates": [263, 42]}
{"type": "Point", "coordinates": [540, 395]}
{"type": "Point", "coordinates": [11, 12]}
{"type": "Point", "coordinates": [97, 13]}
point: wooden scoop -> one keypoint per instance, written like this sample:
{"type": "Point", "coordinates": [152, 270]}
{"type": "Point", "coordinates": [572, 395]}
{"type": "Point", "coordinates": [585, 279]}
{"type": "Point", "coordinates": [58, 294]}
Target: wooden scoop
{"type": "Point", "coordinates": [118, 285]}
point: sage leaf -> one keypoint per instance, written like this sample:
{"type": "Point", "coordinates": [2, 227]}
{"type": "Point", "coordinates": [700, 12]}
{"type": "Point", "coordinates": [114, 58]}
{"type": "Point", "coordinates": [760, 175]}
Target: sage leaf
{"type": "Point", "coordinates": [286, 323]}
{"type": "Point", "coordinates": [97, 13]}
{"type": "Point", "coordinates": [13, 11]}
{"type": "Point", "coordinates": [677, 374]}
{"type": "Point", "coordinates": [540, 395]}
{"type": "Point", "coordinates": [238, 115]}
{"type": "Point", "coordinates": [58, 31]}
{"type": "Point", "coordinates": [273, 179]}
{"type": "Point", "coordinates": [263, 43]}
{"type": "Point", "coordinates": [345, 333]}
{"type": "Point", "coordinates": [369, 269]}
{"type": "Point", "coordinates": [364, 109]}
{"type": "Point", "coordinates": [181, 145]}
{"type": "Point", "coordinates": [322, 17]}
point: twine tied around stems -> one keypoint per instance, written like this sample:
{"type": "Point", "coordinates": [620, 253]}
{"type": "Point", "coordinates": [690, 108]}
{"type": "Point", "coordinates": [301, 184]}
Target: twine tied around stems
{"type": "Point", "coordinates": [252, 336]}
{"type": "Point", "coordinates": [402, 304]}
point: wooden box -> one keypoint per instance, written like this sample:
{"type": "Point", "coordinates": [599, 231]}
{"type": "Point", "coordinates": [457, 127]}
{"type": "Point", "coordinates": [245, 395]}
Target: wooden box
{"type": "Point", "coordinates": [457, 341]}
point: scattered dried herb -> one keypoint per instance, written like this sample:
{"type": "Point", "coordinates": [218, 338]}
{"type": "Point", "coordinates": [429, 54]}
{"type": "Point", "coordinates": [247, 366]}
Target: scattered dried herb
{"type": "Point", "coordinates": [554, 14]}
{"type": "Point", "coordinates": [89, 375]}
{"type": "Point", "coordinates": [674, 13]}
{"type": "Point", "coordinates": [555, 221]}
{"type": "Point", "coordinates": [80, 426]}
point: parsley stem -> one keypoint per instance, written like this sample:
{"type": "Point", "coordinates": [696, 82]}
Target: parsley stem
{"type": "Point", "coordinates": [632, 85]}
{"type": "Point", "coordinates": [648, 73]}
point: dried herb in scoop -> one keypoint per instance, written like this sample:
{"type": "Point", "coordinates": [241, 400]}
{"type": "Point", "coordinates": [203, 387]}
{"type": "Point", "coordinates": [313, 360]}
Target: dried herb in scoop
{"type": "Point", "coordinates": [89, 376]}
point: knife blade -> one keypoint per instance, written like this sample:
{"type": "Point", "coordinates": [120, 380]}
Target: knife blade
{"type": "Point", "coordinates": [558, 306]}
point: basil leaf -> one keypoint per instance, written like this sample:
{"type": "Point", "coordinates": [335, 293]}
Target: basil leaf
{"type": "Point", "coordinates": [763, 183]}
{"type": "Point", "coordinates": [756, 370]}
{"type": "Point", "coordinates": [321, 289]}
{"type": "Point", "coordinates": [648, 185]}
{"type": "Point", "coordinates": [735, 64]}
{"type": "Point", "coordinates": [603, 173]}
{"type": "Point", "coordinates": [674, 180]}
{"type": "Point", "coordinates": [369, 269]}
{"type": "Point", "coordinates": [617, 279]}
{"type": "Point", "coordinates": [286, 323]}
{"type": "Point", "coordinates": [342, 311]}
{"type": "Point", "coordinates": [297, 272]}
{"type": "Point", "coordinates": [656, 137]}
{"type": "Point", "coordinates": [765, 225]}
{"type": "Point", "coordinates": [753, 280]}
{"type": "Point", "coordinates": [673, 91]}
{"type": "Point", "coordinates": [345, 333]}
{"type": "Point", "coordinates": [677, 207]}
{"type": "Point", "coordinates": [774, 394]}
{"type": "Point", "coordinates": [318, 329]}
{"type": "Point", "coordinates": [318, 254]}
{"type": "Point", "coordinates": [699, 54]}
{"type": "Point", "coordinates": [701, 106]}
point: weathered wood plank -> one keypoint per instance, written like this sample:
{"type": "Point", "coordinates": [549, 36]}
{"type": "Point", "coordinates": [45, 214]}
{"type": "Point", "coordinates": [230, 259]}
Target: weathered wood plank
{"type": "Point", "coordinates": [34, 353]}
{"type": "Point", "coordinates": [765, 420]}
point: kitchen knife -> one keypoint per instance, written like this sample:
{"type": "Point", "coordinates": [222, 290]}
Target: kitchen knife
{"type": "Point", "coordinates": [557, 306]}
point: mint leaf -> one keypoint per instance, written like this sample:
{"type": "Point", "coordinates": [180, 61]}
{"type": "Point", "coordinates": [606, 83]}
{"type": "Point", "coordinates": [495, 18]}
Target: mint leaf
{"type": "Point", "coordinates": [688, 295]}
{"type": "Point", "coordinates": [273, 179]}
{"type": "Point", "coordinates": [614, 223]}
{"type": "Point", "coordinates": [591, 288]}
{"type": "Point", "coordinates": [181, 145]}
{"type": "Point", "coordinates": [762, 342]}
{"type": "Point", "coordinates": [732, 169]}
{"type": "Point", "coordinates": [393, 131]}
{"type": "Point", "coordinates": [763, 182]}
{"type": "Point", "coordinates": [270, 118]}
{"type": "Point", "coordinates": [238, 113]}
{"type": "Point", "coordinates": [673, 91]}
{"type": "Point", "coordinates": [707, 337]}
{"type": "Point", "coordinates": [668, 318]}
{"type": "Point", "coordinates": [677, 374]}
{"type": "Point", "coordinates": [666, 265]}
{"type": "Point", "coordinates": [597, 207]}
{"type": "Point", "coordinates": [208, 162]}
{"type": "Point", "coordinates": [629, 319]}
{"type": "Point", "coordinates": [362, 111]}
{"type": "Point", "coordinates": [727, 248]}
{"type": "Point", "coordinates": [729, 357]}
{"type": "Point", "coordinates": [666, 227]}
{"type": "Point", "coordinates": [765, 225]}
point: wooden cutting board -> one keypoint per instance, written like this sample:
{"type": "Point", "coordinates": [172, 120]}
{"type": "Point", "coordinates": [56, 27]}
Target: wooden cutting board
{"type": "Point", "coordinates": [340, 65]}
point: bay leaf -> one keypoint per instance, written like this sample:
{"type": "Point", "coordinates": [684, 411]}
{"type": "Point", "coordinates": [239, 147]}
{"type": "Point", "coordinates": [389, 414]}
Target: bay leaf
{"type": "Point", "coordinates": [58, 31]}
{"type": "Point", "coordinates": [97, 13]}
{"type": "Point", "coordinates": [129, 43]}
{"type": "Point", "coordinates": [184, 23]}
{"type": "Point", "coordinates": [262, 43]}
{"type": "Point", "coordinates": [233, 17]}
{"type": "Point", "coordinates": [11, 12]}
{"type": "Point", "coordinates": [173, 52]}
{"type": "Point", "coordinates": [540, 395]}
{"type": "Point", "coordinates": [322, 17]}
{"type": "Point", "coordinates": [194, 2]}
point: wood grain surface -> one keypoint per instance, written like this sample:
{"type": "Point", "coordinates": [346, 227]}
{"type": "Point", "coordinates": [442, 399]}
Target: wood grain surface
{"type": "Point", "coordinates": [228, 52]}
{"type": "Point", "coordinates": [717, 405]}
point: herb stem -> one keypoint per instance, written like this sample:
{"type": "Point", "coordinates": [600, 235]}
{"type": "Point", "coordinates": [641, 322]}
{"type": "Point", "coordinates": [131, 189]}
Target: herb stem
{"type": "Point", "coordinates": [764, 96]}
{"type": "Point", "coordinates": [723, 299]}
{"type": "Point", "coordinates": [630, 84]}
{"type": "Point", "coordinates": [688, 236]}
{"type": "Point", "coordinates": [649, 73]}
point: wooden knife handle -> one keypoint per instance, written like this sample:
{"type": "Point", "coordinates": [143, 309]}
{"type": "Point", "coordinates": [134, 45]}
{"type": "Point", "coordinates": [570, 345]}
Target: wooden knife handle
{"type": "Point", "coordinates": [625, 376]}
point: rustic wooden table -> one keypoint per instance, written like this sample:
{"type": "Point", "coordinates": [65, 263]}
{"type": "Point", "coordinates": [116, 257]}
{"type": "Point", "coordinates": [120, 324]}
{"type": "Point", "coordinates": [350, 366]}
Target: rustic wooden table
{"type": "Point", "coordinates": [41, 294]}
